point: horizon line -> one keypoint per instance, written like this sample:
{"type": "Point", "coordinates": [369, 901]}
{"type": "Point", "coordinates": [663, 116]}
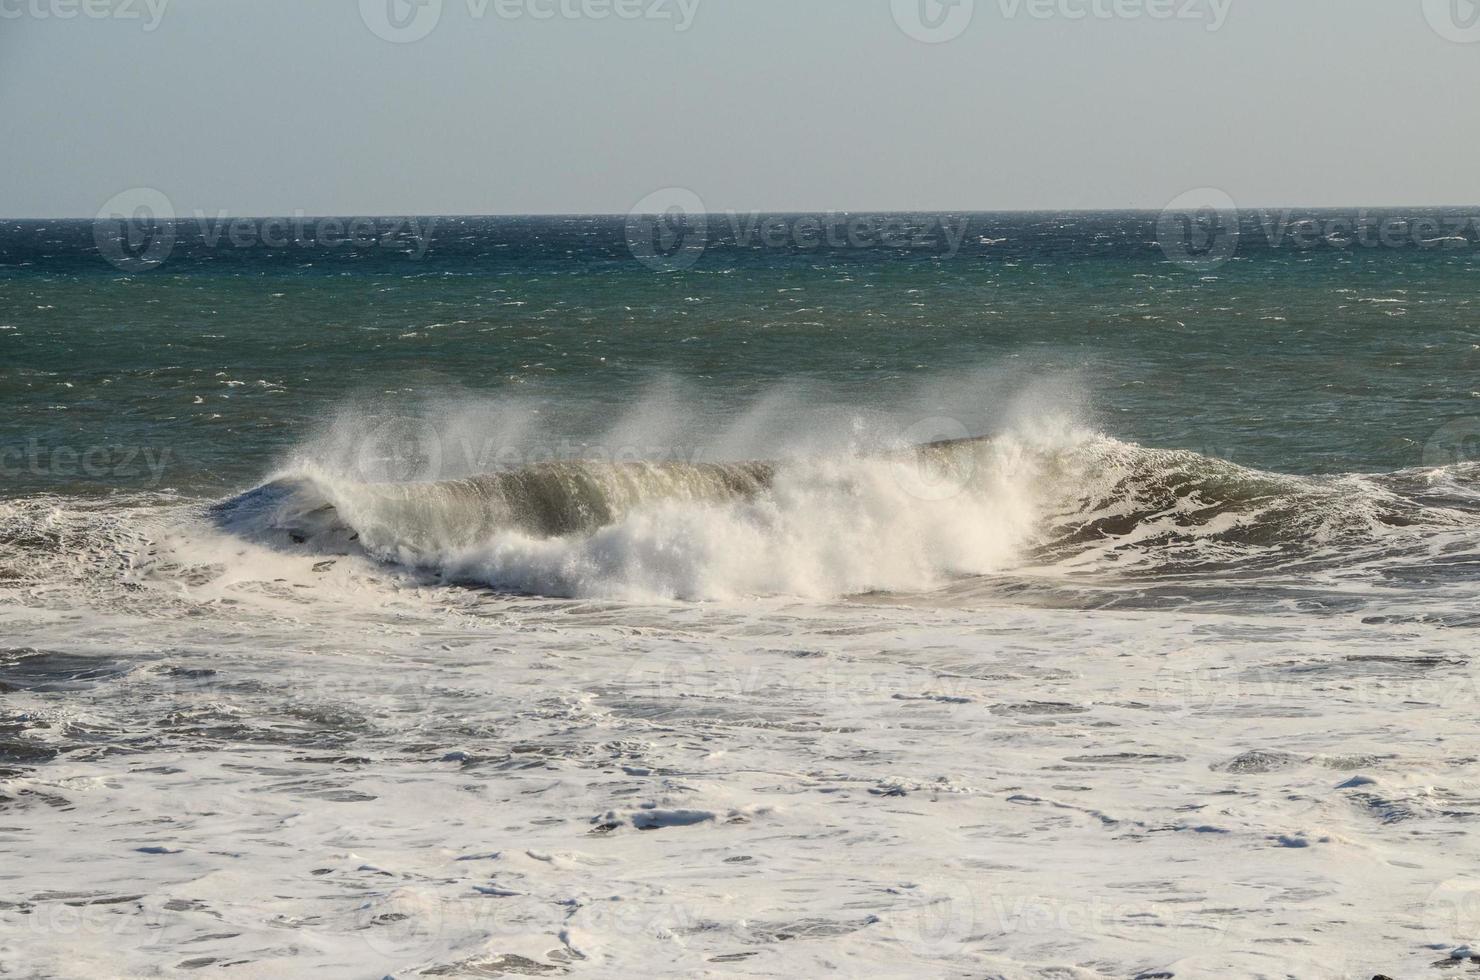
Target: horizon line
{"type": "Point", "coordinates": [756, 211]}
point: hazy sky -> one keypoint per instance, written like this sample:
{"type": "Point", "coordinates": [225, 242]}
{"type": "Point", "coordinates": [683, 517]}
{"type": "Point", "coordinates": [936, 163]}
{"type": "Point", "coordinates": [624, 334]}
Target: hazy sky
{"type": "Point", "coordinates": [275, 106]}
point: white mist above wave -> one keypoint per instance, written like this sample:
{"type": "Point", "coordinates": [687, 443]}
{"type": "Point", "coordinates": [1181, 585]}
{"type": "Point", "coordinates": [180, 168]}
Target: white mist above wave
{"type": "Point", "coordinates": [900, 516]}
{"type": "Point", "coordinates": [825, 499]}
{"type": "Point", "coordinates": [823, 528]}
{"type": "Point", "coordinates": [807, 500]}
{"type": "Point", "coordinates": [814, 528]}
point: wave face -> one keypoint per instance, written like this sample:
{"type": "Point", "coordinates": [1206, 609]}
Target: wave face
{"type": "Point", "coordinates": [1075, 504]}
{"type": "Point", "coordinates": [1181, 511]}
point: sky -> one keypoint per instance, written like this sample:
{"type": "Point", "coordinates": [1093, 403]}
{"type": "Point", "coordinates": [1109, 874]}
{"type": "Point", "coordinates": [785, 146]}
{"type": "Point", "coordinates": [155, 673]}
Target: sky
{"type": "Point", "coordinates": [367, 107]}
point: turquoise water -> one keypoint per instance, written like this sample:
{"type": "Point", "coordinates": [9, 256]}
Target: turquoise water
{"type": "Point", "coordinates": [1317, 359]}
{"type": "Point", "coordinates": [513, 603]}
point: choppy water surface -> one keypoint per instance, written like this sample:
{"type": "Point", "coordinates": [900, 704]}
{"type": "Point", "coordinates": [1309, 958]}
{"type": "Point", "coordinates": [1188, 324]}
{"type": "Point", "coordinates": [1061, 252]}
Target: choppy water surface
{"type": "Point", "coordinates": [1034, 606]}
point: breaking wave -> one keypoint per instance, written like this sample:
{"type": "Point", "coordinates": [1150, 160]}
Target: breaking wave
{"type": "Point", "coordinates": [910, 520]}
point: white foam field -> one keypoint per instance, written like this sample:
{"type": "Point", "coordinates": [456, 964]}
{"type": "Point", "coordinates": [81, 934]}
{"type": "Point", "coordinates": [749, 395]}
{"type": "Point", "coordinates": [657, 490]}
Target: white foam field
{"type": "Point", "coordinates": [285, 770]}
{"type": "Point", "coordinates": [703, 750]}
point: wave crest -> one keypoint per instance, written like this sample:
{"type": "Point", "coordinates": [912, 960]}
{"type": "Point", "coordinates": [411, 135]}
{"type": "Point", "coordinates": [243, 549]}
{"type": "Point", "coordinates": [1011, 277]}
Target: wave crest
{"type": "Point", "coordinates": [828, 526]}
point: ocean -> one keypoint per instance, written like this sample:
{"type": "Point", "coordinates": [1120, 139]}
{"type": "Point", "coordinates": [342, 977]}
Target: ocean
{"type": "Point", "coordinates": [953, 595]}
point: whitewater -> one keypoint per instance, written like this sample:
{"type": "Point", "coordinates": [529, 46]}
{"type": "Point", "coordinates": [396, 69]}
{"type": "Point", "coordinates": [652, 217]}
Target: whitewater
{"type": "Point", "coordinates": [1040, 703]}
